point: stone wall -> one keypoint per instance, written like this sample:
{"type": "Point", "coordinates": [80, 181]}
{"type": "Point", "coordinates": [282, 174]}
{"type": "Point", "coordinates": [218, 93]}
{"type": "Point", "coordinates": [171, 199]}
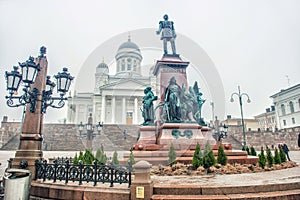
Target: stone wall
{"type": "Point", "coordinates": [262, 138]}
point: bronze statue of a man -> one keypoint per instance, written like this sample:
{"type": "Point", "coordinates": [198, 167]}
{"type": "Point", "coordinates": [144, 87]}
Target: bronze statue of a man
{"type": "Point", "coordinates": [168, 34]}
{"type": "Point", "coordinates": [173, 95]}
{"type": "Point", "coordinates": [148, 108]}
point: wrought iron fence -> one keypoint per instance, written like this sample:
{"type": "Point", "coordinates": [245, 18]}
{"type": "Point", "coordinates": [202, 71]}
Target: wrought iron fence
{"type": "Point", "coordinates": [83, 172]}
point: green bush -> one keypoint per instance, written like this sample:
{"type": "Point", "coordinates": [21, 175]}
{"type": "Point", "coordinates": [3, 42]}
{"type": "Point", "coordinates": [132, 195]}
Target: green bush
{"type": "Point", "coordinates": [75, 159]}
{"type": "Point", "coordinates": [80, 157]}
{"type": "Point", "coordinates": [98, 154]}
{"type": "Point", "coordinates": [252, 151]}
{"type": "Point", "coordinates": [172, 155]}
{"type": "Point", "coordinates": [262, 158]}
{"type": "Point", "coordinates": [222, 157]}
{"type": "Point", "coordinates": [131, 158]}
{"type": "Point", "coordinates": [277, 159]}
{"type": "Point", "coordinates": [248, 150]}
{"type": "Point", "coordinates": [100, 157]}
{"type": "Point", "coordinates": [270, 158]}
{"type": "Point", "coordinates": [197, 158]}
{"type": "Point", "coordinates": [115, 160]}
{"type": "Point", "coordinates": [282, 155]}
{"type": "Point", "coordinates": [88, 157]}
{"type": "Point", "coordinates": [209, 158]}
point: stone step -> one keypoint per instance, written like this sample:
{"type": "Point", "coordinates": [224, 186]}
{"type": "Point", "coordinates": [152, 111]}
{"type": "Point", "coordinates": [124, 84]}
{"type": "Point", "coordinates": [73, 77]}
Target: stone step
{"type": "Point", "coordinates": [160, 189]}
{"type": "Point", "coordinates": [188, 160]}
{"type": "Point", "coordinates": [277, 195]}
{"type": "Point", "coordinates": [185, 153]}
{"type": "Point", "coordinates": [189, 197]}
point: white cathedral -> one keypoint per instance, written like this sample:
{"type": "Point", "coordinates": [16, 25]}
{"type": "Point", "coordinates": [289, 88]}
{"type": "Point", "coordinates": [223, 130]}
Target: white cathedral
{"type": "Point", "coordinates": [117, 99]}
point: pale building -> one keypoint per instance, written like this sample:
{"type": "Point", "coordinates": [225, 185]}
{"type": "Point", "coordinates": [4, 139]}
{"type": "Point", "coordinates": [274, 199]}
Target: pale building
{"type": "Point", "coordinates": [250, 124]}
{"type": "Point", "coordinates": [287, 107]}
{"type": "Point", "coordinates": [267, 120]}
{"type": "Point", "coordinates": [117, 99]}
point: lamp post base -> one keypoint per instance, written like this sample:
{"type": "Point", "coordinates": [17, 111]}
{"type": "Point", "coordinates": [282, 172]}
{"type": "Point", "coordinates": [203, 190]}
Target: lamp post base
{"type": "Point", "coordinates": [30, 150]}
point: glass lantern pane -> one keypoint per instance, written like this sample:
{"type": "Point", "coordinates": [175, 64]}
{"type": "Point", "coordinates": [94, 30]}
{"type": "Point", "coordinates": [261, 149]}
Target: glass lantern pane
{"type": "Point", "coordinates": [10, 80]}
{"type": "Point", "coordinates": [63, 82]}
{"type": "Point", "coordinates": [17, 81]}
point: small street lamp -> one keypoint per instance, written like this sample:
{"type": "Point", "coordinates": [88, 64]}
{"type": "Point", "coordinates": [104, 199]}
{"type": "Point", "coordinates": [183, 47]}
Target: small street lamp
{"type": "Point", "coordinates": [240, 95]}
{"type": "Point", "coordinates": [99, 127]}
{"type": "Point", "coordinates": [80, 127]}
{"type": "Point", "coordinates": [222, 134]}
{"type": "Point", "coordinates": [90, 130]}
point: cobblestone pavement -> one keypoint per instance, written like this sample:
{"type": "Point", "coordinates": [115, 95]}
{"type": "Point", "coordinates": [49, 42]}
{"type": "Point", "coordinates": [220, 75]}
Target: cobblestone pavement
{"type": "Point", "coordinates": [277, 176]}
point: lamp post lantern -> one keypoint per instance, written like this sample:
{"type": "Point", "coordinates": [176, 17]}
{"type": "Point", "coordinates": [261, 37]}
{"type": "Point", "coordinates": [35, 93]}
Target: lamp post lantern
{"type": "Point", "coordinates": [37, 96]}
{"type": "Point", "coordinates": [240, 95]}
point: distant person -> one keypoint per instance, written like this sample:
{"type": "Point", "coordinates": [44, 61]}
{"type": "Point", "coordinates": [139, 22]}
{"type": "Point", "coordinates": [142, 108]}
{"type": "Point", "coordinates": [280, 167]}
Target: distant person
{"type": "Point", "coordinates": [286, 150]}
{"type": "Point", "coordinates": [102, 148]}
{"type": "Point", "coordinates": [124, 132]}
{"type": "Point", "coordinates": [299, 140]}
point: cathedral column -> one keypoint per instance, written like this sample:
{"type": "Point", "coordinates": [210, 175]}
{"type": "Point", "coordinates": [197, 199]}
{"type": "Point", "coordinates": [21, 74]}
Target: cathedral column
{"type": "Point", "coordinates": [113, 110]}
{"type": "Point", "coordinates": [103, 109]}
{"type": "Point", "coordinates": [135, 119]}
{"type": "Point", "coordinates": [123, 110]}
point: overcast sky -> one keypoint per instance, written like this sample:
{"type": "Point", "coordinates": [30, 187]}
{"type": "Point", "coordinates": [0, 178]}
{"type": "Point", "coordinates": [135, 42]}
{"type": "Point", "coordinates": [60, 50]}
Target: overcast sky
{"type": "Point", "coordinates": [254, 43]}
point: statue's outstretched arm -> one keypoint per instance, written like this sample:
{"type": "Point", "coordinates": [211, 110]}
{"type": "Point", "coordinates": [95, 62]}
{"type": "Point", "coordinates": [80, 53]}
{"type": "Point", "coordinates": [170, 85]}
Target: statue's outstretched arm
{"type": "Point", "coordinates": [160, 28]}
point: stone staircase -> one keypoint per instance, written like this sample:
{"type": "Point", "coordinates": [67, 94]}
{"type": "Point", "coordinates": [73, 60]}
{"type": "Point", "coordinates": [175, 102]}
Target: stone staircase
{"type": "Point", "coordinates": [252, 192]}
{"type": "Point", "coordinates": [234, 142]}
{"type": "Point", "coordinates": [114, 133]}
{"type": "Point", "coordinates": [12, 143]}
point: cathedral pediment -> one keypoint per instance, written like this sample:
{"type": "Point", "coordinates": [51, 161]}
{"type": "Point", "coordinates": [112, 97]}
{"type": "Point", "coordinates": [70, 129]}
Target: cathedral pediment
{"type": "Point", "coordinates": [128, 84]}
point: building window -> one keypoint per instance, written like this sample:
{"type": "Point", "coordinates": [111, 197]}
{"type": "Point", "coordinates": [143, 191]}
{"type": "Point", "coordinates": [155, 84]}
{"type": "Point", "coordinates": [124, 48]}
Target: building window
{"type": "Point", "coordinates": [282, 109]}
{"type": "Point", "coordinates": [123, 66]}
{"type": "Point", "coordinates": [284, 122]}
{"type": "Point", "coordinates": [299, 103]}
{"type": "Point", "coordinates": [293, 120]}
{"type": "Point", "coordinates": [291, 107]}
{"type": "Point", "coordinates": [129, 67]}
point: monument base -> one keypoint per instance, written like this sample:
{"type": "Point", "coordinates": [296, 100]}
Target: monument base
{"type": "Point", "coordinates": [155, 141]}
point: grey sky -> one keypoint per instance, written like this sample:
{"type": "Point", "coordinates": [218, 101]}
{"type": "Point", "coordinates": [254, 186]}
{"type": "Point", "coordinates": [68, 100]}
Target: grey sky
{"type": "Point", "coordinates": [254, 44]}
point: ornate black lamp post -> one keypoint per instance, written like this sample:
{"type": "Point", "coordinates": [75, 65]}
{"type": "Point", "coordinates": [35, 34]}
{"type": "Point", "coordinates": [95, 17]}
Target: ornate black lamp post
{"type": "Point", "coordinates": [240, 95]}
{"type": "Point", "coordinates": [37, 96]}
{"type": "Point", "coordinates": [99, 127]}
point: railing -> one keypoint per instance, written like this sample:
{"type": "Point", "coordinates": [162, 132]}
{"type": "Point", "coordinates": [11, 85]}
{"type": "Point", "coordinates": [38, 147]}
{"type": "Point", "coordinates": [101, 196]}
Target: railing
{"type": "Point", "coordinates": [83, 172]}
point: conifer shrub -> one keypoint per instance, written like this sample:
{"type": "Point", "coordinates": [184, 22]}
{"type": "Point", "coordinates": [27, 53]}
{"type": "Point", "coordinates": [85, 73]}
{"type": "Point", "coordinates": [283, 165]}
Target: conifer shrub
{"type": "Point", "coordinates": [222, 157]}
{"type": "Point", "coordinates": [98, 154]}
{"type": "Point", "coordinates": [197, 158]}
{"type": "Point", "coordinates": [209, 158]}
{"type": "Point", "coordinates": [252, 151]}
{"type": "Point", "coordinates": [248, 150]}
{"type": "Point", "coordinates": [262, 158]}
{"type": "Point", "coordinates": [80, 157]}
{"type": "Point", "coordinates": [172, 155]}
{"type": "Point", "coordinates": [88, 157]}
{"type": "Point", "coordinates": [115, 160]}
{"type": "Point", "coordinates": [282, 155]}
{"type": "Point", "coordinates": [131, 158]}
{"type": "Point", "coordinates": [270, 158]}
{"type": "Point", "coordinates": [277, 159]}
{"type": "Point", "coordinates": [75, 159]}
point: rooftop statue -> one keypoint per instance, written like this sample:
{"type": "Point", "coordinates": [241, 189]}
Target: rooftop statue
{"type": "Point", "coordinates": [166, 28]}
